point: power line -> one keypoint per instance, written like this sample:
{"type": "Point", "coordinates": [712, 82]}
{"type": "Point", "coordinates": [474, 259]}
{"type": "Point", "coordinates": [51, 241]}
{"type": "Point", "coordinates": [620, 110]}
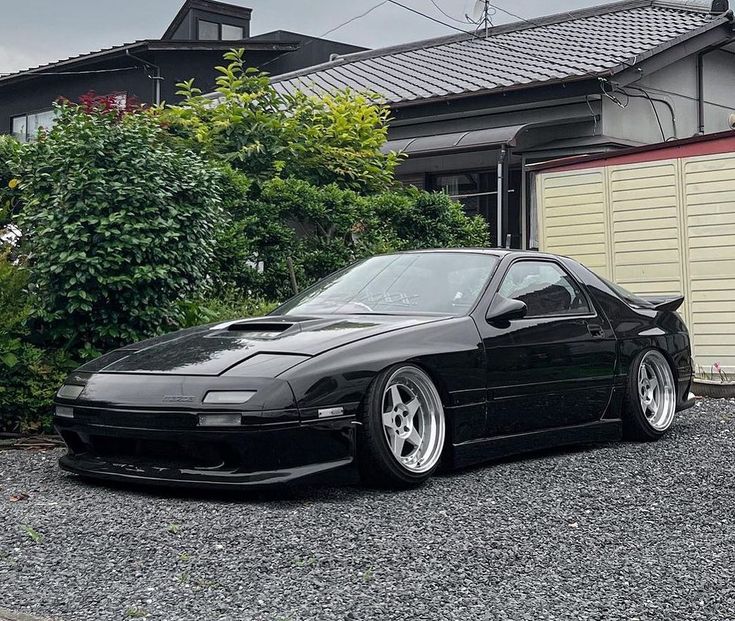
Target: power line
{"type": "Point", "coordinates": [354, 19]}
{"type": "Point", "coordinates": [52, 73]}
{"type": "Point", "coordinates": [330, 31]}
{"type": "Point", "coordinates": [447, 15]}
{"type": "Point", "coordinates": [429, 17]}
{"type": "Point", "coordinates": [472, 34]}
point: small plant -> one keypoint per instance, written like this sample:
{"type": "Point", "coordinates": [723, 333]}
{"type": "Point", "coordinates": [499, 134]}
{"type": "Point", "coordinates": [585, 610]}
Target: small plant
{"type": "Point", "coordinates": [33, 533]}
{"type": "Point", "coordinates": [368, 575]}
{"type": "Point", "coordinates": [174, 528]}
{"type": "Point", "coordinates": [205, 583]}
{"type": "Point", "coordinates": [305, 562]}
{"type": "Point", "coordinates": [715, 373]}
{"type": "Point", "coordinates": [135, 613]}
{"type": "Point", "coordinates": [184, 557]}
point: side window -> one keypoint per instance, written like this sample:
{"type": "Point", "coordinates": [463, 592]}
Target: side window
{"type": "Point", "coordinates": [545, 288]}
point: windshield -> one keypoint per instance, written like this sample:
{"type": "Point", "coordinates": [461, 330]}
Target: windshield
{"type": "Point", "coordinates": [441, 282]}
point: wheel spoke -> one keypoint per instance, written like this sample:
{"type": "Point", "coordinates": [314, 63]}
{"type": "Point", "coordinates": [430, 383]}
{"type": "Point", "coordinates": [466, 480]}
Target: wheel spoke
{"type": "Point", "coordinates": [389, 420]}
{"type": "Point", "coordinates": [654, 383]}
{"type": "Point", "coordinates": [395, 395]}
{"type": "Point", "coordinates": [654, 407]}
{"type": "Point", "coordinates": [414, 438]}
{"type": "Point", "coordinates": [413, 407]}
{"type": "Point", "coordinates": [397, 443]}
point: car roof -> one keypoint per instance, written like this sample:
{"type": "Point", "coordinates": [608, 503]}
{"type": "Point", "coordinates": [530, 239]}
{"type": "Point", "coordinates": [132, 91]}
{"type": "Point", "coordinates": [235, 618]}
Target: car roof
{"type": "Point", "coordinates": [496, 252]}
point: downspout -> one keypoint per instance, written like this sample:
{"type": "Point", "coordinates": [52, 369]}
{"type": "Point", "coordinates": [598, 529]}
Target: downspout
{"type": "Point", "coordinates": [156, 77]}
{"type": "Point", "coordinates": [501, 194]}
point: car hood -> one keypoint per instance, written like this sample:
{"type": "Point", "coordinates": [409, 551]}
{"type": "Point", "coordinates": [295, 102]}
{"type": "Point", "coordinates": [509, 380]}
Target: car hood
{"type": "Point", "coordinates": [219, 349]}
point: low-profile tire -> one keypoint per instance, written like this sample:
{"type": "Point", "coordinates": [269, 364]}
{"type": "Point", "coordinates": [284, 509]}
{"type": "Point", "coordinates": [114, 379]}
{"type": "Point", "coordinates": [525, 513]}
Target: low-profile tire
{"type": "Point", "coordinates": [650, 402]}
{"type": "Point", "coordinates": [402, 431]}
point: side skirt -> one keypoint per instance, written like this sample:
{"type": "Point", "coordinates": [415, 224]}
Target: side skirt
{"type": "Point", "coordinates": [478, 451]}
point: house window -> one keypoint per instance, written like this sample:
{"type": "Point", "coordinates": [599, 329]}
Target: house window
{"type": "Point", "coordinates": [208, 31]}
{"type": "Point", "coordinates": [476, 191]}
{"type": "Point", "coordinates": [26, 126]}
{"type": "Point", "coordinates": [232, 33]}
{"type": "Point", "coordinates": [213, 31]}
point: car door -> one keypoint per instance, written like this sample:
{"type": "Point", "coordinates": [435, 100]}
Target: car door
{"type": "Point", "coordinates": [554, 367]}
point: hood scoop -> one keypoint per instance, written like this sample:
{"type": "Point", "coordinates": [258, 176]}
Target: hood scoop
{"type": "Point", "coordinates": [257, 330]}
{"type": "Point", "coordinates": [275, 328]}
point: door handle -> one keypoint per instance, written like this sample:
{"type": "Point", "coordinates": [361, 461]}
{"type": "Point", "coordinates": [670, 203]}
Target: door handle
{"type": "Point", "coordinates": [596, 331]}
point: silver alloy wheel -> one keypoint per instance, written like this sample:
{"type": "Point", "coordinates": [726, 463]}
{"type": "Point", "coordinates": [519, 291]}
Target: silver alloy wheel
{"type": "Point", "coordinates": [656, 390]}
{"type": "Point", "coordinates": [413, 420]}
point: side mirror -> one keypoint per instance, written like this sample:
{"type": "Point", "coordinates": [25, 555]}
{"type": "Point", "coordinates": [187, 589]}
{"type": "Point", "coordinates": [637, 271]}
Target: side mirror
{"type": "Point", "coordinates": [503, 310]}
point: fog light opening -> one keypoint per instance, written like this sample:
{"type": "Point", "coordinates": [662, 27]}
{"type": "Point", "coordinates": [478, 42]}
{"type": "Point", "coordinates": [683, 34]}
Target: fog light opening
{"type": "Point", "coordinates": [220, 420]}
{"type": "Point", "coordinates": [64, 412]}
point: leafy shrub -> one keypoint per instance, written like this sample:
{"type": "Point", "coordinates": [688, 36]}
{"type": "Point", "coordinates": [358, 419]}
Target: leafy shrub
{"type": "Point", "coordinates": [308, 189]}
{"type": "Point", "coordinates": [263, 134]}
{"type": "Point", "coordinates": [119, 225]}
{"type": "Point", "coordinates": [29, 375]}
{"type": "Point", "coordinates": [324, 228]}
{"type": "Point", "coordinates": [226, 307]}
{"type": "Point", "coordinates": [9, 153]}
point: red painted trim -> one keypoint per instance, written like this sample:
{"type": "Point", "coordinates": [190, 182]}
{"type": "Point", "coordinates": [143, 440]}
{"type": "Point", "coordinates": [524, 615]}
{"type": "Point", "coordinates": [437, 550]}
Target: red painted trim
{"type": "Point", "coordinates": [688, 147]}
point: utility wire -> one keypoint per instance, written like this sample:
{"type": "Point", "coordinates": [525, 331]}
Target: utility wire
{"type": "Point", "coordinates": [330, 31]}
{"type": "Point", "coordinates": [354, 19]}
{"type": "Point", "coordinates": [447, 15]}
{"type": "Point", "coordinates": [32, 72]}
{"type": "Point", "coordinates": [429, 17]}
{"type": "Point", "coordinates": [474, 35]}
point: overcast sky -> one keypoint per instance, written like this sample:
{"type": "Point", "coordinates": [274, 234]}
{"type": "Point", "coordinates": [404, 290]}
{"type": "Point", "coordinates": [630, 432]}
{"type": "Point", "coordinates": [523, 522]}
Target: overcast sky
{"type": "Point", "coordinates": [38, 31]}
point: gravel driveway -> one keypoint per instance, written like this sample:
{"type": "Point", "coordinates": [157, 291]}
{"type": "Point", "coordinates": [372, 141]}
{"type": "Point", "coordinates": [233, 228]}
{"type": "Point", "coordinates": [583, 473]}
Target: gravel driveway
{"type": "Point", "coordinates": [628, 531]}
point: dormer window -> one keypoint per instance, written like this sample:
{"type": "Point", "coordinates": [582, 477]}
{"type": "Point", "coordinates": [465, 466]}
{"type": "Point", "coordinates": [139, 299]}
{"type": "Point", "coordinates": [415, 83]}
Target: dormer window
{"type": "Point", "coordinates": [212, 31]}
{"type": "Point", "coordinates": [232, 33]}
{"type": "Point", "coordinates": [208, 31]}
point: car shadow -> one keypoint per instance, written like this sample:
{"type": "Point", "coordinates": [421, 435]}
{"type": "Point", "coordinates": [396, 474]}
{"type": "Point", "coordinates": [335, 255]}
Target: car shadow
{"type": "Point", "coordinates": [529, 457]}
{"type": "Point", "coordinates": [334, 492]}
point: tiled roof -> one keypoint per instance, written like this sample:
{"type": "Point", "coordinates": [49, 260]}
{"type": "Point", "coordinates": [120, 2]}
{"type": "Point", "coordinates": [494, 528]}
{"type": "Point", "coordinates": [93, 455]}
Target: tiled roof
{"type": "Point", "coordinates": [570, 46]}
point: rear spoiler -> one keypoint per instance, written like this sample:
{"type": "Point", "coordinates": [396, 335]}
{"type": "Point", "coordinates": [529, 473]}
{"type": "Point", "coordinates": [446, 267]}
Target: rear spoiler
{"type": "Point", "coordinates": [664, 303]}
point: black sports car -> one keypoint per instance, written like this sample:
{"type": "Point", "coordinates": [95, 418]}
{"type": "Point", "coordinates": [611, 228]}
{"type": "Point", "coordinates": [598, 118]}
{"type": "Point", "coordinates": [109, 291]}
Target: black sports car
{"type": "Point", "coordinates": [386, 368]}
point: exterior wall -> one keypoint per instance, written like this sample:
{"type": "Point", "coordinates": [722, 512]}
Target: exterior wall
{"type": "Point", "coordinates": [676, 84]}
{"type": "Point", "coordinates": [655, 227]}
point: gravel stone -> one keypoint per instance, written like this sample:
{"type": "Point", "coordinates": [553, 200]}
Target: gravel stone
{"type": "Point", "coordinates": [619, 531]}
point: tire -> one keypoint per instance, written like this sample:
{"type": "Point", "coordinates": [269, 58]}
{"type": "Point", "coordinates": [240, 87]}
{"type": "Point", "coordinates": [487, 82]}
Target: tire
{"type": "Point", "coordinates": [650, 401]}
{"type": "Point", "coordinates": [403, 429]}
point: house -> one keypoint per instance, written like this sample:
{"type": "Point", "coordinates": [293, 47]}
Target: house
{"type": "Point", "coordinates": [472, 110]}
{"type": "Point", "coordinates": [658, 220]}
{"type": "Point", "coordinates": [150, 69]}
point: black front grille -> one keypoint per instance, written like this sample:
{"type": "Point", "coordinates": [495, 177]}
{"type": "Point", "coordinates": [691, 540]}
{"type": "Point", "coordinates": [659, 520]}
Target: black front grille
{"type": "Point", "coordinates": [164, 453]}
{"type": "Point", "coordinates": [136, 419]}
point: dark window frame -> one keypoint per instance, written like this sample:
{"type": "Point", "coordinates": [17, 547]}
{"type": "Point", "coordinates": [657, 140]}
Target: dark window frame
{"type": "Point", "coordinates": [26, 115]}
{"type": "Point", "coordinates": [219, 25]}
{"type": "Point", "coordinates": [201, 21]}
{"type": "Point", "coordinates": [583, 290]}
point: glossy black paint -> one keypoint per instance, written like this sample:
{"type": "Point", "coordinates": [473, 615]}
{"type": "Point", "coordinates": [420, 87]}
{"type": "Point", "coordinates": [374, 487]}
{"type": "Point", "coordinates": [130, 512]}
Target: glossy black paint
{"type": "Point", "coordinates": [507, 386]}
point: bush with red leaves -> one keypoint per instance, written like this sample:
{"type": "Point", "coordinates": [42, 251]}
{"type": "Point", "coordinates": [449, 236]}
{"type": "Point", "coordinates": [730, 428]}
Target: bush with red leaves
{"type": "Point", "coordinates": [117, 104]}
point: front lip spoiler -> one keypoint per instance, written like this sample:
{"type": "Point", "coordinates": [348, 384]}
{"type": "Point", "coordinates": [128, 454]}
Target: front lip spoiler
{"type": "Point", "coordinates": [101, 469]}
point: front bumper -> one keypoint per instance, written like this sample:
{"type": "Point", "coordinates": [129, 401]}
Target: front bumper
{"type": "Point", "coordinates": [270, 455]}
